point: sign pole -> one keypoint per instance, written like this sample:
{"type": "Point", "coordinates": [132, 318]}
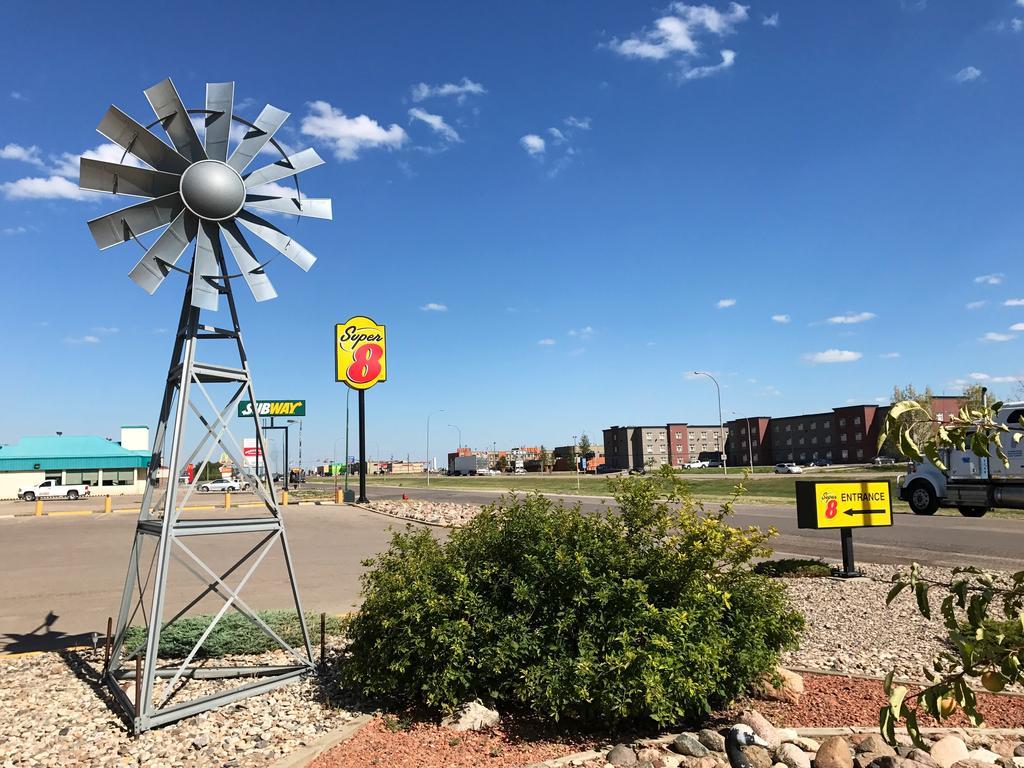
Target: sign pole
{"type": "Point", "coordinates": [362, 447]}
{"type": "Point", "coordinates": [348, 464]}
{"type": "Point", "coordinates": [849, 568]}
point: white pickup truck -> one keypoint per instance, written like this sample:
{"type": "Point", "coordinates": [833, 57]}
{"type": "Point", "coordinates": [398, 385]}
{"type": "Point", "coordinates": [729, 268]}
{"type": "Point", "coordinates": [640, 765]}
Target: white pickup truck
{"type": "Point", "coordinates": [50, 489]}
{"type": "Point", "coordinates": [972, 484]}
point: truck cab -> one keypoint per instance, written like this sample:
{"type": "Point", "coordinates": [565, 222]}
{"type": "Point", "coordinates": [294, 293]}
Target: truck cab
{"type": "Point", "coordinates": [970, 483]}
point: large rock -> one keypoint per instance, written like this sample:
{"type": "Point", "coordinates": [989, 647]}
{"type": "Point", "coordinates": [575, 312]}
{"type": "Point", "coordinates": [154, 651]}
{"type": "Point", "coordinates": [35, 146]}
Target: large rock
{"type": "Point", "coordinates": [1019, 751]}
{"type": "Point", "coordinates": [865, 759]}
{"type": "Point", "coordinates": [792, 756]}
{"type": "Point", "coordinates": [782, 685]}
{"type": "Point", "coordinates": [713, 740]}
{"type": "Point", "coordinates": [806, 744]}
{"type": "Point", "coordinates": [948, 750]}
{"type": "Point", "coordinates": [875, 744]}
{"type": "Point", "coordinates": [687, 744]}
{"type": "Point", "coordinates": [983, 756]}
{"type": "Point", "coordinates": [759, 724]}
{"type": "Point", "coordinates": [885, 761]}
{"type": "Point", "coordinates": [834, 752]}
{"type": "Point", "coordinates": [622, 756]}
{"type": "Point", "coordinates": [1005, 747]}
{"type": "Point", "coordinates": [472, 716]}
{"type": "Point", "coordinates": [971, 763]}
{"type": "Point", "coordinates": [758, 757]}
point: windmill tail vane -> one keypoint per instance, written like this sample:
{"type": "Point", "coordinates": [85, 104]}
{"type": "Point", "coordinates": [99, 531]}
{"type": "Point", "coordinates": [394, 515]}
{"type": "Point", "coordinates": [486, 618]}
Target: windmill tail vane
{"type": "Point", "coordinates": [200, 190]}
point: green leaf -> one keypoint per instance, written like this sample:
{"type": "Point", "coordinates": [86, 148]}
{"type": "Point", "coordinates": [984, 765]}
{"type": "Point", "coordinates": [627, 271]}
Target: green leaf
{"type": "Point", "coordinates": [921, 593]}
{"type": "Point", "coordinates": [887, 725]}
{"type": "Point", "coordinates": [894, 592]}
{"type": "Point", "coordinates": [896, 698]}
{"type": "Point", "coordinates": [912, 728]}
{"type": "Point", "coordinates": [887, 684]}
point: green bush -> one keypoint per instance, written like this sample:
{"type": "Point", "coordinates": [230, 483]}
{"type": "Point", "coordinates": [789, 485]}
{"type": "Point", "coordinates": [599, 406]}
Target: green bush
{"type": "Point", "coordinates": [650, 611]}
{"type": "Point", "coordinates": [793, 567]}
{"type": "Point", "coordinates": [233, 635]}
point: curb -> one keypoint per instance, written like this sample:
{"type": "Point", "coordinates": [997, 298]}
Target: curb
{"type": "Point", "coordinates": [308, 754]}
{"type": "Point", "coordinates": [135, 510]}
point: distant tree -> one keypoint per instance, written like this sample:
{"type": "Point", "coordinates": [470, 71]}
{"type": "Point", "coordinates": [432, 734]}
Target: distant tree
{"type": "Point", "coordinates": [585, 448]}
{"type": "Point", "coordinates": [502, 463]}
{"type": "Point", "coordinates": [545, 459]}
{"type": "Point", "coordinates": [974, 397]}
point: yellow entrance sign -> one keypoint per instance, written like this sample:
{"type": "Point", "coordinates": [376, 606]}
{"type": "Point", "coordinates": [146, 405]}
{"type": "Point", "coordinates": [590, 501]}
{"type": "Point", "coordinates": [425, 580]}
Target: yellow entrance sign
{"type": "Point", "coordinates": [866, 504]}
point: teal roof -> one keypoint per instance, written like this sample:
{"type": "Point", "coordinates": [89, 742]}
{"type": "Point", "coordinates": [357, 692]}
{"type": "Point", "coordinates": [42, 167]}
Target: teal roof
{"type": "Point", "coordinates": [69, 452]}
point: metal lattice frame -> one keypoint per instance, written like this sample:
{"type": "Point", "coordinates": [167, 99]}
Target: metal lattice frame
{"type": "Point", "coordinates": [199, 191]}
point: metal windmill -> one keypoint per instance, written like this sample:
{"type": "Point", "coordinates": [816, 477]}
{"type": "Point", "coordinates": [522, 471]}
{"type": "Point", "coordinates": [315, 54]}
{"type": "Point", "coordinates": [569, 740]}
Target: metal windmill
{"type": "Point", "coordinates": [199, 191]}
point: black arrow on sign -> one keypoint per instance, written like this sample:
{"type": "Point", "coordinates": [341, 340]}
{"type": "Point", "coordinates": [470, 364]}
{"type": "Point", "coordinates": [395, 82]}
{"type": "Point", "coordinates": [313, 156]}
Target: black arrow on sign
{"type": "Point", "coordinates": [852, 512]}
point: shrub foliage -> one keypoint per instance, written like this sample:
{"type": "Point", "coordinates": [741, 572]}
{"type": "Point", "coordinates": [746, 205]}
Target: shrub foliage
{"type": "Point", "coordinates": [650, 611]}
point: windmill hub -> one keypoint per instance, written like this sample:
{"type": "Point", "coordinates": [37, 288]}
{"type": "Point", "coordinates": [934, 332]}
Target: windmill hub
{"type": "Point", "coordinates": [212, 190]}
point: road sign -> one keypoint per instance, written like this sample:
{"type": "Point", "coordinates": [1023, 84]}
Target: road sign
{"type": "Point", "coordinates": [866, 504]}
{"type": "Point", "coordinates": [273, 408]}
{"type": "Point", "coordinates": [360, 348]}
{"type": "Point", "coordinates": [250, 451]}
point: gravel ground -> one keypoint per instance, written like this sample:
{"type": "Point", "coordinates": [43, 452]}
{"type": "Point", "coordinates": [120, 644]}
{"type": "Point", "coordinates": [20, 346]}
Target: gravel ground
{"type": "Point", "coordinates": [849, 628]}
{"type": "Point", "coordinates": [52, 714]}
{"type": "Point", "coordinates": [439, 513]}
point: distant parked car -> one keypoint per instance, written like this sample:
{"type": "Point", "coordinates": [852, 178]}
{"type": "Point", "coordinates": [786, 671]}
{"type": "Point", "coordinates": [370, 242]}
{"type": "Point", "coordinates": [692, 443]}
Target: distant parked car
{"type": "Point", "coordinates": [696, 464]}
{"type": "Point", "coordinates": [822, 463]}
{"type": "Point", "coordinates": [880, 461]}
{"type": "Point", "coordinates": [788, 468]}
{"type": "Point", "coordinates": [604, 469]}
{"type": "Point", "coordinates": [223, 484]}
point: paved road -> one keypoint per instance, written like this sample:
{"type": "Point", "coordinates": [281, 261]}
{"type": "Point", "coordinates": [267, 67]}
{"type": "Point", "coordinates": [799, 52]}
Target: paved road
{"type": "Point", "coordinates": [73, 567]}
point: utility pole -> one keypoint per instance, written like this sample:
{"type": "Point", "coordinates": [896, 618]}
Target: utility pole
{"type": "Point", "coordinates": [721, 427]}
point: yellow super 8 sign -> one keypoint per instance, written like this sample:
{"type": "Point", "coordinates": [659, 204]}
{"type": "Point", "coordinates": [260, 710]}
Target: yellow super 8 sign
{"type": "Point", "coordinates": [866, 504]}
{"type": "Point", "coordinates": [360, 352]}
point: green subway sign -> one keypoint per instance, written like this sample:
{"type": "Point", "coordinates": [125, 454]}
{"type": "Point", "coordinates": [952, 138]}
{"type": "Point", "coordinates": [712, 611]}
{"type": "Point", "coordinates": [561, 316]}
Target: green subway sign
{"type": "Point", "coordinates": [273, 408]}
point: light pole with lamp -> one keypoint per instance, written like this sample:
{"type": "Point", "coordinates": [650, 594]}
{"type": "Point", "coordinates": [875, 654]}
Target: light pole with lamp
{"type": "Point", "coordinates": [297, 421]}
{"type": "Point", "coordinates": [721, 427]}
{"type": "Point", "coordinates": [453, 426]}
{"type": "Point", "coordinates": [429, 462]}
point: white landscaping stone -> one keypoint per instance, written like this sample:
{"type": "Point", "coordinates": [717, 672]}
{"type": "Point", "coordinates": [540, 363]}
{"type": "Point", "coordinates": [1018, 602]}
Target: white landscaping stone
{"type": "Point", "coordinates": [983, 755]}
{"type": "Point", "coordinates": [472, 716]}
{"type": "Point", "coordinates": [949, 750]}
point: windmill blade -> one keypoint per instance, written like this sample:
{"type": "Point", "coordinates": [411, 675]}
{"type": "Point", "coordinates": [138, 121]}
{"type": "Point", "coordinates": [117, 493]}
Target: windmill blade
{"type": "Point", "coordinates": [318, 208]}
{"type": "Point", "coordinates": [165, 252]}
{"type": "Point", "coordinates": [276, 239]}
{"type": "Point", "coordinates": [253, 272]}
{"type": "Point", "coordinates": [220, 99]}
{"type": "Point", "coordinates": [297, 163]}
{"type": "Point", "coordinates": [164, 99]}
{"type": "Point", "coordinates": [266, 125]}
{"type": "Point", "coordinates": [134, 137]}
{"type": "Point", "coordinates": [125, 179]}
{"type": "Point", "coordinates": [205, 294]}
{"type": "Point", "coordinates": [119, 226]}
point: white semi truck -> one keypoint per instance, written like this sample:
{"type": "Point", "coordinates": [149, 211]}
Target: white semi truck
{"type": "Point", "coordinates": [471, 465]}
{"type": "Point", "coordinates": [972, 484]}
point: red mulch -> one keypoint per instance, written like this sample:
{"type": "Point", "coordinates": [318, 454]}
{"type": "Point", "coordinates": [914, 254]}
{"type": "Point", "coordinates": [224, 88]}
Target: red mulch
{"type": "Point", "coordinates": [828, 701]}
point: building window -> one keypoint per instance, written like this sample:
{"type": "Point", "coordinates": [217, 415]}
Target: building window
{"type": "Point", "coordinates": [801, 441]}
{"type": "Point", "coordinates": [814, 440]}
{"type": "Point", "coordinates": [860, 453]}
{"type": "Point", "coordinates": [844, 453]}
{"type": "Point", "coordinates": [679, 435]}
{"type": "Point", "coordinates": [789, 441]}
{"type": "Point", "coordinates": [814, 425]}
{"type": "Point", "coordinates": [799, 427]}
{"type": "Point", "coordinates": [826, 425]}
{"type": "Point", "coordinates": [118, 476]}
{"type": "Point", "coordinates": [789, 427]}
{"type": "Point", "coordinates": [679, 449]}
{"type": "Point", "coordinates": [842, 437]}
{"type": "Point", "coordinates": [856, 421]}
{"type": "Point", "coordinates": [828, 438]}
{"type": "Point", "coordinates": [842, 422]}
{"type": "Point", "coordinates": [858, 437]}
{"type": "Point", "coordinates": [83, 476]}
{"type": "Point", "coordinates": [55, 476]}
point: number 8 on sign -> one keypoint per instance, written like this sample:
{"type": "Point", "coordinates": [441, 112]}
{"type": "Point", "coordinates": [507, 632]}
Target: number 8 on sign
{"type": "Point", "coordinates": [831, 509]}
{"type": "Point", "coordinates": [366, 364]}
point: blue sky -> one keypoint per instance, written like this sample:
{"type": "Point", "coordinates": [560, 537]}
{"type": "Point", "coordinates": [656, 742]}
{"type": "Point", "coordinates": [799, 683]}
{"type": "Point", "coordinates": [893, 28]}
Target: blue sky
{"type": "Point", "coordinates": [557, 208]}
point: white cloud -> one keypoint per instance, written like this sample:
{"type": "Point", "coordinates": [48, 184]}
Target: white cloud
{"type": "Point", "coordinates": [105, 330]}
{"type": "Point", "coordinates": [780, 318]}
{"type": "Point", "coordinates": [696, 73]}
{"type": "Point", "coordinates": [1017, 327]}
{"type": "Point", "coordinates": [967, 74]}
{"type": "Point", "coordinates": [29, 155]}
{"type": "Point", "coordinates": [1014, 303]}
{"type": "Point", "coordinates": [467, 87]}
{"type": "Point", "coordinates": [18, 96]}
{"type": "Point", "coordinates": [851, 317]}
{"type": "Point", "coordinates": [993, 336]}
{"type": "Point", "coordinates": [436, 123]}
{"type": "Point", "coordinates": [725, 303]}
{"type": "Point", "coordinates": [51, 188]}
{"type": "Point", "coordinates": [432, 306]}
{"type": "Point", "coordinates": [582, 333]}
{"type": "Point", "coordinates": [889, 355]}
{"type": "Point", "coordinates": [771, 21]}
{"type": "Point", "coordinates": [1017, 25]}
{"type": "Point", "coordinates": [979, 376]}
{"type": "Point", "coordinates": [990, 379]}
{"type": "Point", "coordinates": [557, 135]}
{"type": "Point", "coordinates": [349, 136]}
{"type": "Point", "coordinates": [13, 230]}
{"type": "Point", "coordinates": [81, 340]}
{"type": "Point", "coordinates": [976, 304]}
{"type": "Point", "coordinates": [677, 34]}
{"type": "Point", "coordinates": [994, 279]}
{"type": "Point", "coordinates": [533, 144]}
{"type": "Point", "coordinates": [546, 342]}
{"type": "Point", "coordinates": [833, 356]}
{"type": "Point", "coordinates": [583, 123]}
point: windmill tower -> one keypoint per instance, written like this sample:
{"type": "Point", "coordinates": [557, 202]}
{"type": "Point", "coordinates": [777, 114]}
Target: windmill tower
{"type": "Point", "coordinates": [199, 191]}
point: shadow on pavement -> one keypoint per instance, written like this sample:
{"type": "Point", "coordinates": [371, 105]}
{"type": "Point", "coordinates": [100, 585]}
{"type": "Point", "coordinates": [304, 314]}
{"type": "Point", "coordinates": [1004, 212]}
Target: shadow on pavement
{"type": "Point", "coordinates": [43, 638]}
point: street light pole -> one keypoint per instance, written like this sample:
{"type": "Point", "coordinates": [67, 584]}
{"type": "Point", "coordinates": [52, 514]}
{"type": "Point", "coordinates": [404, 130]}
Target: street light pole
{"type": "Point", "coordinates": [721, 427]}
{"type": "Point", "coordinates": [296, 421]}
{"type": "Point", "coordinates": [429, 463]}
{"type": "Point", "coordinates": [460, 434]}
